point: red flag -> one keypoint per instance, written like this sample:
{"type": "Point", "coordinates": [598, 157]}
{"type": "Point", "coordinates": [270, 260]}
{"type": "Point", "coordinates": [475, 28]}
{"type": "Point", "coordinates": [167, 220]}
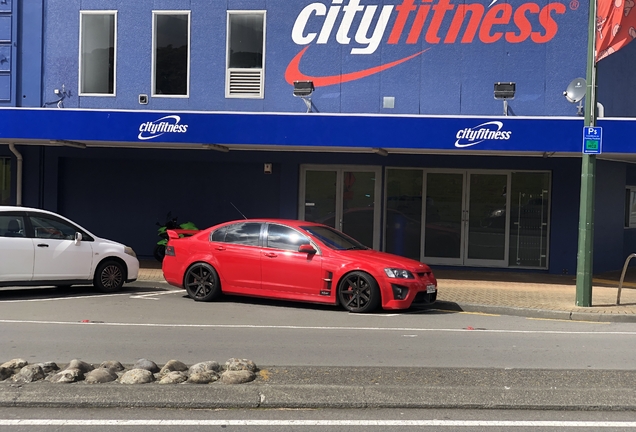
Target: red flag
{"type": "Point", "coordinates": [615, 26]}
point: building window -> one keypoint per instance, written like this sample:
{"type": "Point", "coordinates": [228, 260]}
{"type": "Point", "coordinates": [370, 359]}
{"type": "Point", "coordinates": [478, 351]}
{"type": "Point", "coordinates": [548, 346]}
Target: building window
{"type": "Point", "coordinates": [630, 207]}
{"type": "Point", "coordinates": [5, 181]}
{"type": "Point", "coordinates": [171, 53]}
{"type": "Point", "coordinates": [98, 47]}
{"type": "Point", "coordinates": [245, 54]}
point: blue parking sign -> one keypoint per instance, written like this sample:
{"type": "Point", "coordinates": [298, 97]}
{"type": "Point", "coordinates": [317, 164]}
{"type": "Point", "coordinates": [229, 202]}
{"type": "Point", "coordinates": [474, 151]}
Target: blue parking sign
{"type": "Point", "coordinates": [592, 140]}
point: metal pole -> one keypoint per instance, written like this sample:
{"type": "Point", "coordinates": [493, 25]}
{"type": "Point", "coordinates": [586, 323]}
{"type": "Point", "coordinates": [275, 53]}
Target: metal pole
{"type": "Point", "coordinates": [588, 170]}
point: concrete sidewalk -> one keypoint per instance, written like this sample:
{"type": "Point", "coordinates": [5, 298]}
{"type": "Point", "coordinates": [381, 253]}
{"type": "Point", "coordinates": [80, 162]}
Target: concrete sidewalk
{"type": "Point", "coordinates": [530, 294]}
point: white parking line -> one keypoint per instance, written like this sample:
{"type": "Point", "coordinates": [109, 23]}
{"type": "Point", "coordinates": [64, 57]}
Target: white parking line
{"type": "Point", "coordinates": [92, 296]}
{"type": "Point", "coordinates": [149, 296]}
{"type": "Point", "coordinates": [383, 423]}
{"type": "Point", "coordinates": [406, 330]}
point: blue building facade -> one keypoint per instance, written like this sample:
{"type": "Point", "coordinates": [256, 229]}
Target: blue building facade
{"type": "Point", "coordinates": [114, 113]}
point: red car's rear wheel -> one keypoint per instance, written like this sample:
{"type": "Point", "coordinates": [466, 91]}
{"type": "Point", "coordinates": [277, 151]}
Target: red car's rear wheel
{"type": "Point", "coordinates": [202, 282]}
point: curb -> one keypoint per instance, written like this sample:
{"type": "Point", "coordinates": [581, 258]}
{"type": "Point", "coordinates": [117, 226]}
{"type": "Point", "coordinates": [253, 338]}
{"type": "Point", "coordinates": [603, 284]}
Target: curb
{"type": "Point", "coordinates": [533, 313]}
{"type": "Point", "coordinates": [304, 387]}
{"type": "Point", "coordinates": [265, 396]}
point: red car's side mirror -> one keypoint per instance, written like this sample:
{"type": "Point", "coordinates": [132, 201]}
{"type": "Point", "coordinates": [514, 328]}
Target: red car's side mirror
{"type": "Point", "coordinates": [306, 248]}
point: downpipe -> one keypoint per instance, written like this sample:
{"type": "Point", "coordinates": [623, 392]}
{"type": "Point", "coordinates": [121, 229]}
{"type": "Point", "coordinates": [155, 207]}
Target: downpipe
{"type": "Point", "coordinates": [18, 186]}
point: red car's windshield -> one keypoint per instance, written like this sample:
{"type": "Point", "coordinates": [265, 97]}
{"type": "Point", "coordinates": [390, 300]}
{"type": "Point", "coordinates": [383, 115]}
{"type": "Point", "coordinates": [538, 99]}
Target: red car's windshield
{"type": "Point", "coordinates": [333, 239]}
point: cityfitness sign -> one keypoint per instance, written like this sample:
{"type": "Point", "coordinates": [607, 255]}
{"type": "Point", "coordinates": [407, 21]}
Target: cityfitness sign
{"type": "Point", "coordinates": [412, 22]}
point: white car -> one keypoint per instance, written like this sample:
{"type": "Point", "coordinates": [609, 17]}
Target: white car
{"type": "Point", "coordinates": [39, 247]}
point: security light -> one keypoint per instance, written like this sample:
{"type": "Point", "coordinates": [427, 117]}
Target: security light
{"type": "Point", "coordinates": [303, 90]}
{"type": "Point", "coordinates": [505, 91]}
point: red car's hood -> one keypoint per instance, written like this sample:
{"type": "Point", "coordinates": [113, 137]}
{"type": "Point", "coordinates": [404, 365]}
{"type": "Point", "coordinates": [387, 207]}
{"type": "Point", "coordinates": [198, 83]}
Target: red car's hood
{"type": "Point", "coordinates": [374, 257]}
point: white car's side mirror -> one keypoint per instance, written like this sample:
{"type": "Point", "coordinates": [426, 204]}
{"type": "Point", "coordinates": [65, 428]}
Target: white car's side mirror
{"type": "Point", "coordinates": [78, 238]}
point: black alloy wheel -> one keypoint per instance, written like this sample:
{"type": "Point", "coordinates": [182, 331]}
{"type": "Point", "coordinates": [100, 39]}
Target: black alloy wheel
{"type": "Point", "coordinates": [110, 276]}
{"type": "Point", "coordinates": [202, 282]}
{"type": "Point", "coordinates": [359, 292]}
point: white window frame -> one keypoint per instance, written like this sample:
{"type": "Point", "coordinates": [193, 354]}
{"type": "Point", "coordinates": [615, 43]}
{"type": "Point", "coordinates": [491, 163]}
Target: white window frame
{"type": "Point", "coordinates": [228, 71]}
{"type": "Point", "coordinates": [153, 68]}
{"type": "Point", "coordinates": [79, 80]}
{"type": "Point", "coordinates": [630, 223]}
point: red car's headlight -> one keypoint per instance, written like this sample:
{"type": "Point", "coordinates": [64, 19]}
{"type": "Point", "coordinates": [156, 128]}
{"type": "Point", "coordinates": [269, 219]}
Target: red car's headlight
{"type": "Point", "coordinates": [398, 273]}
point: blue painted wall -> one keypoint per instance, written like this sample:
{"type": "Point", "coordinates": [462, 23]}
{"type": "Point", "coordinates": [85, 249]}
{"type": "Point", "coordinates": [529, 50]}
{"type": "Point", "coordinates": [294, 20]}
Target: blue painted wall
{"type": "Point", "coordinates": [449, 78]}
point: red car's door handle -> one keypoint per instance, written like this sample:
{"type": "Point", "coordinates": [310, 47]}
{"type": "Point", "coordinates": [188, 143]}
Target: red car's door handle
{"type": "Point", "coordinates": [271, 255]}
{"type": "Point", "coordinates": [220, 248]}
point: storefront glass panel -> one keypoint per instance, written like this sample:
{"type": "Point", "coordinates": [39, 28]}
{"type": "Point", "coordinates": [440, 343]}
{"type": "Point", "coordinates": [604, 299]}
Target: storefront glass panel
{"type": "Point", "coordinates": [444, 215]}
{"type": "Point", "coordinates": [403, 217]}
{"type": "Point", "coordinates": [5, 181]}
{"type": "Point", "coordinates": [529, 211]}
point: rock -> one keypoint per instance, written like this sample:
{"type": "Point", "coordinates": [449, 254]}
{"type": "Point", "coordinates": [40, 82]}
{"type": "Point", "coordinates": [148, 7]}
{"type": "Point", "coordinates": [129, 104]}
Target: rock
{"type": "Point", "coordinates": [137, 376]}
{"type": "Point", "coordinates": [173, 377]}
{"type": "Point", "coordinates": [100, 375]}
{"type": "Point", "coordinates": [204, 377]}
{"type": "Point", "coordinates": [146, 365]}
{"type": "Point", "coordinates": [173, 366]}
{"type": "Point", "coordinates": [49, 367]}
{"type": "Point", "coordinates": [15, 364]}
{"type": "Point", "coordinates": [5, 373]}
{"type": "Point", "coordinates": [113, 365]}
{"type": "Point", "coordinates": [67, 376]}
{"type": "Point", "coordinates": [237, 376]}
{"type": "Point", "coordinates": [29, 373]}
{"type": "Point", "coordinates": [204, 367]}
{"type": "Point", "coordinates": [78, 364]}
{"type": "Point", "coordinates": [235, 364]}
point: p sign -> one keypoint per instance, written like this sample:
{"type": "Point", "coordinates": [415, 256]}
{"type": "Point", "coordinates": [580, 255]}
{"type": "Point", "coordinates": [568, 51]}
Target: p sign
{"type": "Point", "coordinates": [592, 140]}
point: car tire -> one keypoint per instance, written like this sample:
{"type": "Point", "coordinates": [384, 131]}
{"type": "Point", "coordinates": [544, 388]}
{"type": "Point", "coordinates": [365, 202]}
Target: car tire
{"type": "Point", "coordinates": [358, 292]}
{"type": "Point", "coordinates": [109, 276]}
{"type": "Point", "coordinates": [159, 252]}
{"type": "Point", "coordinates": [202, 282]}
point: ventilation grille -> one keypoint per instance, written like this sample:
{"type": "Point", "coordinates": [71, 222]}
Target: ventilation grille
{"type": "Point", "coordinates": [245, 83]}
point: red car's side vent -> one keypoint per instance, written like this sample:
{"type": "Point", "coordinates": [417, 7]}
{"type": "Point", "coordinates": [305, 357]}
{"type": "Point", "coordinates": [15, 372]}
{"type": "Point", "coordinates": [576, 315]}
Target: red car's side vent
{"type": "Point", "coordinates": [326, 291]}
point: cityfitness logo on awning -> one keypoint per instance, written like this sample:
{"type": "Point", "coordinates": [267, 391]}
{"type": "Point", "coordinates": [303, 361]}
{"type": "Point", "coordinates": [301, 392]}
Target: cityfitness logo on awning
{"type": "Point", "coordinates": [164, 125]}
{"type": "Point", "coordinates": [416, 23]}
{"type": "Point", "coordinates": [489, 131]}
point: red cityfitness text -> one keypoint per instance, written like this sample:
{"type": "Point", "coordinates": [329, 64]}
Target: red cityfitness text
{"type": "Point", "coordinates": [436, 22]}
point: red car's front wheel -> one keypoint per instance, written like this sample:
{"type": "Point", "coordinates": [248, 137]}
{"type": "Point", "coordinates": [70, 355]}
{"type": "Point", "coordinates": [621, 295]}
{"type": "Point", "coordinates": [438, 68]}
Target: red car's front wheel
{"type": "Point", "coordinates": [359, 292]}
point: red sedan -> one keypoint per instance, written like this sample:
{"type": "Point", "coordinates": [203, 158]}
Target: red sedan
{"type": "Point", "coordinates": [294, 260]}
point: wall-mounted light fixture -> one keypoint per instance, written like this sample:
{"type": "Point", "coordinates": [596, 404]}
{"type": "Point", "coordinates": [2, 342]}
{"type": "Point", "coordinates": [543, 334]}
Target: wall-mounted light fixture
{"type": "Point", "coordinates": [505, 91]}
{"type": "Point", "coordinates": [303, 90]}
{"type": "Point", "coordinates": [380, 151]}
{"type": "Point", "coordinates": [68, 143]}
{"type": "Point", "coordinates": [216, 147]}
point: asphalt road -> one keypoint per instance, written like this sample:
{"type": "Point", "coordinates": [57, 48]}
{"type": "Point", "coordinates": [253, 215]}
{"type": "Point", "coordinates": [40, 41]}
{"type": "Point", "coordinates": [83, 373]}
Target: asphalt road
{"type": "Point", "coordinates": [151, 320]}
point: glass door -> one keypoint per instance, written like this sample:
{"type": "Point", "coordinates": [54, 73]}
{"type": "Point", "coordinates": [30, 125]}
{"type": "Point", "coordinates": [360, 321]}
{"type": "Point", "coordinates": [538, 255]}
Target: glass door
{"type": "Point", "coordinates": [466, 218]}
{"type": "Point", "coordinates": [344, 198]}
{"type": "Point", "coordinates": [486, 220]}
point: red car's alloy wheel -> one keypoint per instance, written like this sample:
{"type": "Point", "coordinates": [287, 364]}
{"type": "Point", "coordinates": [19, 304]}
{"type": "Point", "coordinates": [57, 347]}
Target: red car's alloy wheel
{"type": "Point", "coordinates": [359, 292]}
{"type": "Point", "coordinates": [202, 282]}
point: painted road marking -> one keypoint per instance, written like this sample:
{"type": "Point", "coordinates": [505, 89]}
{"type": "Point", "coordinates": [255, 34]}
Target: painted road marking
{"type": "Point", "coordinates": [339, 329]}
{"type": "Point", "coordinates": [384, 423]}
{"type": "Point", "coordinates": [91, 296]}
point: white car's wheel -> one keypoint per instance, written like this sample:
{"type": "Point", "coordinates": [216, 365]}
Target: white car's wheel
{"type": "Point", "coordinates": [109, 276]}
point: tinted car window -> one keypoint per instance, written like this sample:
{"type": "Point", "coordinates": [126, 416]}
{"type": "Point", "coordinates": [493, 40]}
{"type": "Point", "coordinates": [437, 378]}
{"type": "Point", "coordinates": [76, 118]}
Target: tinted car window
{"type": "Point", "coordinates": [247, 233]}
{"type": "Point", "coordinates": [282, 237]}
{"type": "Point", "coordinates": [50, 228]}
{"type": "Point", "coordinates": [218, 235]}
{"type": "Point", "coordinates": [12, 226]}
{"type": "Point", "coordinates": [333, 238]}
